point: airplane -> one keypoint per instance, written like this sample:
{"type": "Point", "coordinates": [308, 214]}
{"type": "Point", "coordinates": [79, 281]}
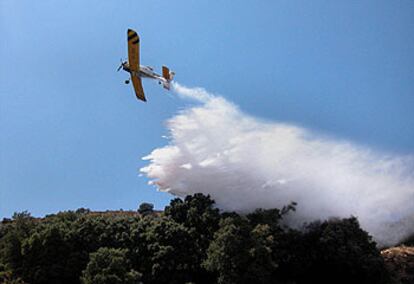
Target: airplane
{"type": "Point", "coordinates": [138, 71]}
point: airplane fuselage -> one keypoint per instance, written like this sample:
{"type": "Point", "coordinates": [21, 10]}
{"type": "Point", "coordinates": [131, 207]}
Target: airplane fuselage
{"type": "Point", "coordinates": [144, 72]}
{"type": "Point", "coordinates": [148, 72]}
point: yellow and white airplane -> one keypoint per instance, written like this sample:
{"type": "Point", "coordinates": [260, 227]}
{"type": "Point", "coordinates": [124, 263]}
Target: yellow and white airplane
{"type": "Point", "coordinates": [138, 71]}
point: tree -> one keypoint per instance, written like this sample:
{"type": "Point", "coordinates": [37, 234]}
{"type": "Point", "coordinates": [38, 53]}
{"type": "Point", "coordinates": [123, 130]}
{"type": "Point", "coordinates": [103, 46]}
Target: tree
{"type": "Point", "coordinates": [12, 236]}
{"type": "Point", "coordinates": [228, 253]}
{"type": "Point", "coordinates": [335, 251]}
{"type": "Point", "coordinates": [45, 254]}
{"type": "Point", "coordinates": [263, 265]}
{"type": "Point", "coordinates": [110, 266]}
{"type": "Point", "coordinates": [163, 251]}
{"type": "Point", "coordinates": [146, 209]}
{"type": "Point", "coordinates": [197, 214]}
{"type": "Point", "coordinates": [190, 242]}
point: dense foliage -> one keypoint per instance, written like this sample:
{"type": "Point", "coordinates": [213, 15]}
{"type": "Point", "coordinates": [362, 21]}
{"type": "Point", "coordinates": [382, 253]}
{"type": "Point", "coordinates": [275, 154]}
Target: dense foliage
{"type": "Point", "coordinates": [189, 242]}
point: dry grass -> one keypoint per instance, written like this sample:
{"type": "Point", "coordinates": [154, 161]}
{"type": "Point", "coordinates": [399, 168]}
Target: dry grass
{"type": "Point", "coordinates": [400, 262]}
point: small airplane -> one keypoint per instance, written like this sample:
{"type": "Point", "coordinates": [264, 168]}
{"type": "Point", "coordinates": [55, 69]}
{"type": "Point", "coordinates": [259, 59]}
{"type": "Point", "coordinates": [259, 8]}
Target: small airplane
{"type": "Point", "coordinates": [138, 71]}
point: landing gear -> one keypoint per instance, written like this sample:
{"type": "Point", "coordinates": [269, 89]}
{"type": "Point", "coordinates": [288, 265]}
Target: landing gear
{"type": "Point", "coordinates": [127, 82]}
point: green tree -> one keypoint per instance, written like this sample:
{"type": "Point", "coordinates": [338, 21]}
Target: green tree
{"type": "Point", "coordinates": [58, 250]}
{"type": "Point", "coordinates": [335, 251]}
{"type": "Point", "coordinates": [228, 253]}
{"type": "Point", "coordinates": [195, 211]}
{"type": "Point", "coordinates": [197, 214]}
{"type": "Point", "coordinates": [12, 236]}
{"type": "Point", "coordinates": [191, 242]}
{"type": "Point", "coordinates": [163, 251]}
{"type": "Point", "coordinates": [45, 254]}
{"type": "Point", "coordinates": [263, 265]}
{"type": "Point", "coordinates": [146, 209]}
{"type": "Point", "coordinates": [271, 217]}
{"type": "Point", "coordinates": [110, 266]}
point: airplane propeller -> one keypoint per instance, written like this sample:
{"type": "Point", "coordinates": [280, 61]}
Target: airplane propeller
{"type": "Point", "coordinates": [120, 66]}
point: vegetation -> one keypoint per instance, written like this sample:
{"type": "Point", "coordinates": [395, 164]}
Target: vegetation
{"type": "Point", "coordinates": [146, 208]}
{"type": "Point", "coordinates": [110, 265]}
{"type": "Point", "coordinates": [189, 242]}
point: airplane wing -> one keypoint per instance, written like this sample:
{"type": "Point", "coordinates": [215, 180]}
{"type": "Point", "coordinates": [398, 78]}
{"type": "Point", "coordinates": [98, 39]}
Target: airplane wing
{"type": "Point", "coordinates": [139, 91]}
{"type": "Point", "coordinates": [133, 50]}
{"type": "Point", "coordinates": [133, 58]}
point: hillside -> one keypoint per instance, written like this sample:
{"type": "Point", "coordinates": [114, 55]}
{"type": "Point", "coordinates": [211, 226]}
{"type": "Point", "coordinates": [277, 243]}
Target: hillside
{"type": "Point", "coordinates": [192, 242]}
{"type": "Point", "coordinates": [400, 262]}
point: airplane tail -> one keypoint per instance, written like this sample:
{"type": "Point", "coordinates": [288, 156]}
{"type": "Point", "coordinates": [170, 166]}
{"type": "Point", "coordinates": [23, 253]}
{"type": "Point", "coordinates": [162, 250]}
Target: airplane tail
{"type": "Point", "coordinates": [168, 76]}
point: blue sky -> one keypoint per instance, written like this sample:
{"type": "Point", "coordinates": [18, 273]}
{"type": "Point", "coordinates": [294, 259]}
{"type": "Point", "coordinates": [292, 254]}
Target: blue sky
{"type": "Point", "coordinates": [72, 134]}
